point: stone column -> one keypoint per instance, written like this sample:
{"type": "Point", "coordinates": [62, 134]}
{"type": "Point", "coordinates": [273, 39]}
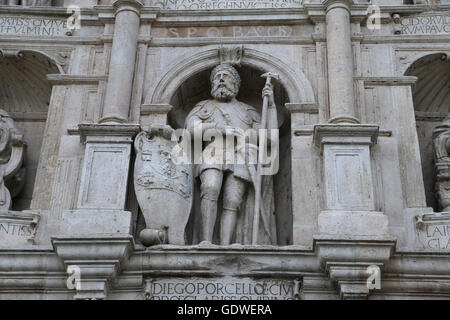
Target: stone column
{"type": "Point", "coordinates": [122, 64]}
{"type": "Point", "coordinates": [95, 237]}
{"type": "Point", "coordinates": [340, 61]}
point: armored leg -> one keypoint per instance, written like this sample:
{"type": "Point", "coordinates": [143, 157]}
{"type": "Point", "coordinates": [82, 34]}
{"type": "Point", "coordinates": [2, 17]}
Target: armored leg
{"type": "Point", "coordinates": [211, 183]}
{"type": "Point", "coordinates": [234, 191]}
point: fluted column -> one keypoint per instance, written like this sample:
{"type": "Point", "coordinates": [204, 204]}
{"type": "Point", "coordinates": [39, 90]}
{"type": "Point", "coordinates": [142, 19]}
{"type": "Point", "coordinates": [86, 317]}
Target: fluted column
{"type": "Point", "coordinates": [122, 64]}
{"type": "Point", "coordinates": [340, 61]}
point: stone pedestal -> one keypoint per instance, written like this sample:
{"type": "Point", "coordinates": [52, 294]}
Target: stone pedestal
{"type": "Point", "coordinates": [103, 183]}
{"type": "Point", "coordinates": [347, 173]}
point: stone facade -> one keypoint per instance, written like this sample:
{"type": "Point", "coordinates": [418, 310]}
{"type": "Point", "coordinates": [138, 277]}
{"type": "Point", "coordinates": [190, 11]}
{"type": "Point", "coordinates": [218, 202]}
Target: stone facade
{"type": "Point", "coordinates": [93, 206]}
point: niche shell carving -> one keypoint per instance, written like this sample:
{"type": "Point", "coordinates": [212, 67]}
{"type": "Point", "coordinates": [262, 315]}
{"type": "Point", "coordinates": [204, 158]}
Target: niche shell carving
{"type": "Point", "coordinates": [164, 190]}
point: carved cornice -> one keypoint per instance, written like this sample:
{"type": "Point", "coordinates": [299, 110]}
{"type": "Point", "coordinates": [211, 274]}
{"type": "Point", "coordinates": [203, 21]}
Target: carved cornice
{"type": "Point", "coordinates": [345, 134]}
{"type": "Point", "coordinates": [104, 132]}
{"type": "Point", "coordinates": [149, 109]}
{"type": "Point", "coordinates": [388, 81]}
{"type": "Point", "coordinates": [67, 79]}
{"type": "Point", "coordinates": [302, 108]}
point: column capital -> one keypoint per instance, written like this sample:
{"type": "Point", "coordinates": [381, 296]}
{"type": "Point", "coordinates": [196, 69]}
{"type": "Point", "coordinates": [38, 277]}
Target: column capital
{"type": "Point", "coordinates": [331, 4]}
{"type": "Point", "coordinates": [127, 5]}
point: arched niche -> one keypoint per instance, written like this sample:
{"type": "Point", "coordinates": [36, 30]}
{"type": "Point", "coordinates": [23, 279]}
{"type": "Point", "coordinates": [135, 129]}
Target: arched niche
{"type": "Point", "coordinates": [186, 83]}
{"type": "Point", "coordinates": [25, 94]}
{"type": "Point", "coordinates": [294, 81]}
{"type": "Point", "coordinates": [431, 97]}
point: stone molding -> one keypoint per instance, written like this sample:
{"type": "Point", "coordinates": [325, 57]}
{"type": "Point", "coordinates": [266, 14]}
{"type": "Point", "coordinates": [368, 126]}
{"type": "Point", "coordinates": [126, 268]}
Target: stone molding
{"type": "Point", "coordinates": [405, 274]}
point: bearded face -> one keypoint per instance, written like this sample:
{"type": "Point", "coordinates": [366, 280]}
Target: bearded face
{"type": "Point", "coordinates": [224, 86]}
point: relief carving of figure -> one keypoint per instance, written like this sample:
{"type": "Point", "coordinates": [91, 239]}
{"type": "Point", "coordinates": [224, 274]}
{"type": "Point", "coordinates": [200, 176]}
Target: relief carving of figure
{"type": "Point", "coordinates": [235, 181]}
{"type": "Point", "coordinates": [441, 143]}
{"type": "Point", "coordinates": [11, 159]}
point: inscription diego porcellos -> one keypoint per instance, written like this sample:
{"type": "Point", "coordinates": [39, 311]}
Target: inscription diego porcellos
{"type": "Point", "coordinates": [224, 32]}
{"type": "Point", "coordinates": [31, 26]}
{"type": "Point", "coordinates": [226, 4]}
{"type": "Point", "coordinates": [223, 289]}
{"type": "Point", "coordinates": [435, 236]}
{"type": "Point", "coordinates": [426, 24]}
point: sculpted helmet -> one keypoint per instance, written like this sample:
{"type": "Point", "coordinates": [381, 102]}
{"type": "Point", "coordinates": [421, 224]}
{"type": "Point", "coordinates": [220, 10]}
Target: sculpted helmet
{"type": "Point", "coordinates": [227, 67]}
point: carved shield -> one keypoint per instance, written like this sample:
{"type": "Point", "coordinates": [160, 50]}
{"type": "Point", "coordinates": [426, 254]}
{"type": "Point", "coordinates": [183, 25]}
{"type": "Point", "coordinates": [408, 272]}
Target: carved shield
{"type": "Point", "coordinates": [164, 189]}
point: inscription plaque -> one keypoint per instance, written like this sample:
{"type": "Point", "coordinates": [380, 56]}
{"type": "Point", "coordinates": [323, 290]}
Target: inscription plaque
{"type": "Point", "coordinates": [436, 23]}
{"type": "Point", "coordinates": [18, 228]}
{"type": "Point", "coordinates": [227, 288]}
{"type": "Point", "coordinates": [32, 26]}
{"type": "Point", "coordinates": [226, 4]}
{"type": "Point", "coordinates": [225, 32]}
{"type": "Point", "coordinates": [433, 231]}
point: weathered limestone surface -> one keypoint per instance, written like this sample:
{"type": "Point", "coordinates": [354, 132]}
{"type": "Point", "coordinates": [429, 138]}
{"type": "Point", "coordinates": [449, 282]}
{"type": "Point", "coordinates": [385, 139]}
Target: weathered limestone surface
{"type": "Point", "coordinates": [357, 208]}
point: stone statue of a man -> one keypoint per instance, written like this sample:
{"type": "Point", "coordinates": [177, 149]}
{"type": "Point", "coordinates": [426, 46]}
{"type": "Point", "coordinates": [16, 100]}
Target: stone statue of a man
{"type": "Point", "coordinates": [227, 115]}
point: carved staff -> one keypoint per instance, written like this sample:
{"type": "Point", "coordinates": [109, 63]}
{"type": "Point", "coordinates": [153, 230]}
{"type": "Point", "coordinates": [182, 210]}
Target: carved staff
{"type": "Point", "coordinates": [262, 145]}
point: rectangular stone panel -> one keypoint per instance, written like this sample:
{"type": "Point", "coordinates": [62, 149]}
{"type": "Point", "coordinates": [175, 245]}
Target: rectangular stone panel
{"type": "Point", "coordinates": [103, 179]}
{"type": "Point", "coordinates": [348, 178]}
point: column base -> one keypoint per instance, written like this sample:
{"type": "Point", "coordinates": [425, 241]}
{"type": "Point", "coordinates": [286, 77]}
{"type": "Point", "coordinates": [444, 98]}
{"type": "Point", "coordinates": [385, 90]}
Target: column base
{"type": "Point", "coordinates": [353, 223]}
